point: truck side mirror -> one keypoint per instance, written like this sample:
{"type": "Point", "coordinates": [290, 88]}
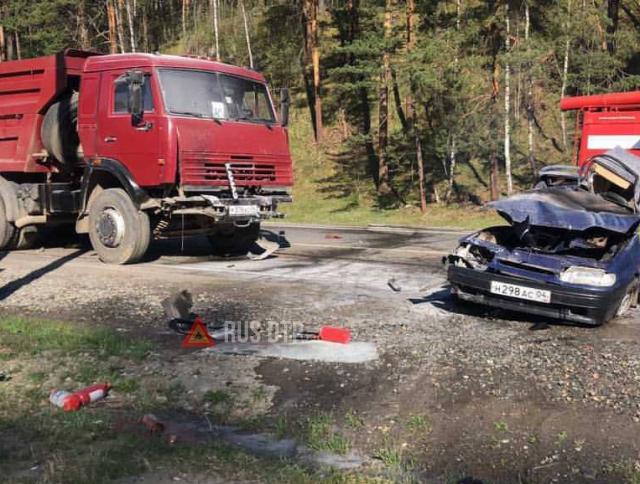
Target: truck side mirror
{"type": "Point", "coordinates": [284, 106]}
{"type": "Point", "coordinates": [136, 80]}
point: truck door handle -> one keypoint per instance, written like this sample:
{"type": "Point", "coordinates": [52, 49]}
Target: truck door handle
{"type": "Point", "coordinates": [110, 139]}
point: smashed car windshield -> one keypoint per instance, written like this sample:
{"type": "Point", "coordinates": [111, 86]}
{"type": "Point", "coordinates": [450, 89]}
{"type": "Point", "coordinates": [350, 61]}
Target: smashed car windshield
{"type": "Point", "coordinates": [204, 94]}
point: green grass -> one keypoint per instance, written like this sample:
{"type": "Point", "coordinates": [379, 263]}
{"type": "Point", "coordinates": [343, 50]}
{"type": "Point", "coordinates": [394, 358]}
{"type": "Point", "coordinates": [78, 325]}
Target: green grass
{"type": "Point", "coordinates": [315, 201]}
{"type": "Point", "coordinates": [217, 397]}
{"type": "Point", "coordinates": [419, 423]}
{"type": "Point", "coordinates": [321, 435]}
{"type": "Point", "coordinates": [26, 335]}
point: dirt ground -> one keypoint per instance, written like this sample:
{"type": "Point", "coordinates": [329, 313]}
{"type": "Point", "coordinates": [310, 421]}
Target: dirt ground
{"type": "Point", "coordinates": [457, 392]}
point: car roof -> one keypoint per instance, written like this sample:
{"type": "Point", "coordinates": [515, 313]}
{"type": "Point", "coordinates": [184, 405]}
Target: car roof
{"type": "Point", "coordinates": [131, 61]}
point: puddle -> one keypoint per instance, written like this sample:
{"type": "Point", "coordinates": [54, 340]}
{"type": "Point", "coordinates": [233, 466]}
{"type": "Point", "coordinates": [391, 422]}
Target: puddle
{"type": "Point", "coordinates": [355, 352]}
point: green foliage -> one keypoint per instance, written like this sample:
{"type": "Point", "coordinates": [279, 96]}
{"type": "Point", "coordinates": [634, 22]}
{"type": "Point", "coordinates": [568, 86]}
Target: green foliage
{"type": "Point", "coordinates": [453, 77]}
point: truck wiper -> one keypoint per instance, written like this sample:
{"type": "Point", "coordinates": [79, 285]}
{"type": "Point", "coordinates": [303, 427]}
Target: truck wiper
{"type": "Point", "coordinates": [188, 113]}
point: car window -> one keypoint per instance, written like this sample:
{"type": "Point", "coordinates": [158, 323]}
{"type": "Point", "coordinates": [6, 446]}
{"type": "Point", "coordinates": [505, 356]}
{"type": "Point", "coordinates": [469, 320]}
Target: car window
{"type": "Point", "coordinates": [121, 95]}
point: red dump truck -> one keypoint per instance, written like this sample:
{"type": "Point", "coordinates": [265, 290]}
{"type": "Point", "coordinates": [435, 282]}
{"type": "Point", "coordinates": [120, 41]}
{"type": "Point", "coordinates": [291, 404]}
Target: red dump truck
{"type": "Point", "coordinates": [130, 147]}
{"type": "Point", "coordinates": [605, 122]}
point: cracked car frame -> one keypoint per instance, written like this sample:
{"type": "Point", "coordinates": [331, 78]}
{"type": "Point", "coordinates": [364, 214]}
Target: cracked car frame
{"type": "Point", "coordinates": [570, 251]}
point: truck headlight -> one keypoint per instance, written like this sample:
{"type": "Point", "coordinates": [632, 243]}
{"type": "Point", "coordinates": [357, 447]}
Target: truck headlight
{"type": "Point", "coordinates": [588, 276]}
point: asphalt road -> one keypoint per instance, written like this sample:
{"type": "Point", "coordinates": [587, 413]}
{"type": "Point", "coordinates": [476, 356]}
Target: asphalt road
{"type": "Point", "coordinates": [360, 257]}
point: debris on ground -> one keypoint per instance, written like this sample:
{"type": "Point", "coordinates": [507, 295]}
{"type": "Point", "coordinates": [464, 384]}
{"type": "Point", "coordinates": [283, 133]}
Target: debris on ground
{"type": "Point", "coordinates": [178, 305]}
{"type": "Point", "coordinates": [4, 376]}
{"type": "Point", "coordinates": [262, 248]}
{"type": "Point", "coordinates": [152, 423]}
{"type": "Point", "coordinates": [332, 236]}
{"type": "Point", "coordinates": [177, 309]}
{"type": "Point", "coordinates": [540, 326]}
{"type": "Point", "coordinates": [327, 333]}
{"type": "Point", "coordinates": [392, 283]}
{"type": "Point", "coordinates": [71, 402]}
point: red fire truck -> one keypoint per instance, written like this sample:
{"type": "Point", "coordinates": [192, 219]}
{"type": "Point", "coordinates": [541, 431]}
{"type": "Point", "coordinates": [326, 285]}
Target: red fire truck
{"type": "Point", "coordinates": [130, 147]}
{"type": "Point", "coordinates": [604, 122]}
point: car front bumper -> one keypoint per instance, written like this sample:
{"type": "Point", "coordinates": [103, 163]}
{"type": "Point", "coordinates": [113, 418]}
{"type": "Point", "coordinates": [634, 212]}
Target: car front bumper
{"type": "Point", "coordinates": [572, 304]}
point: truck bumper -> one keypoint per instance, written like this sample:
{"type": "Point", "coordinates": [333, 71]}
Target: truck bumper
{"type": "Point", "coordinates": [570, 304]}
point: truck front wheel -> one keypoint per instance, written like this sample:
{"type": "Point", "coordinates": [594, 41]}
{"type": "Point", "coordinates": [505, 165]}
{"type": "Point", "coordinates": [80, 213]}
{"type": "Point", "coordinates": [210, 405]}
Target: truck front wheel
{"type": "Point", "coordinates": [229, 239]}
{"type": "Point", "coordinates": [119, 232]}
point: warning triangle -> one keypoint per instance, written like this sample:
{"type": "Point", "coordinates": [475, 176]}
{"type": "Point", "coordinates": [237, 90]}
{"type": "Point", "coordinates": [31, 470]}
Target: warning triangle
{"type": "Point", "coordinates": [198, 337]}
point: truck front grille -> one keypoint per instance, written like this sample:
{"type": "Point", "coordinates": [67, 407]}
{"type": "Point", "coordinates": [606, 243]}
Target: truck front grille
{"type": "Point", "coordinates": [197, 169]}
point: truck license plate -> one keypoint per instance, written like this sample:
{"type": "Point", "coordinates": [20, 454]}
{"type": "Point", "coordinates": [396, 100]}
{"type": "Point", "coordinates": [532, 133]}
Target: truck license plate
{"type": "Point", "coordinates": [520, 292]}
{"type": "Point", "coordinates": [243, 210]}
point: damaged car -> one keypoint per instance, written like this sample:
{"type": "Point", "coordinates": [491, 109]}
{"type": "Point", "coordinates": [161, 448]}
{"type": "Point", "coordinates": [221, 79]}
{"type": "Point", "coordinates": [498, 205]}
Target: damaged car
{"type": "Point", "coordinates": [570, 250]}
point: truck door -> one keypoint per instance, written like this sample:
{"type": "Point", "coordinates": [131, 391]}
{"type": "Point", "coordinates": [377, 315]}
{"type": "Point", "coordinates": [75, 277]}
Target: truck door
{"type": "Point", "coordinates": [136, 147]}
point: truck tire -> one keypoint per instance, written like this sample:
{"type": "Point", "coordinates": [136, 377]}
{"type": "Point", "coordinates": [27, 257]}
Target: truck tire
{"type": "Point", "coordinates": [229, 239]}
{"type": "Point", "coordinates": [59, 132]}
{"type": "Point", "coordinates": [119, 232]}
{"type": "Point", "coordinates": [7, 230]}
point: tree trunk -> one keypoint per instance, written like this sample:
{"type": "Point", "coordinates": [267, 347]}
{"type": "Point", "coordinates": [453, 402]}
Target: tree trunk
{"type": "Point", "coordinates": [213, 8]}
{"type": "Point", "coordinates": [613, 7]}
{"type": "Point", "coordinates": [185, 11]}
{"type": "Point", "coordinates": [111, 18]}
{"type": "Point", "coordinates": [119, 26]}
{"type": "Point", "coordinates": [411, 44]}
{"type": "Point", "coordinates": [145, 31]}
{"type": "Point", "coordinates": [411, 109]}
{"type": "Point", "coordinates": [507, 102]}
{"type": "Point", "coordinates": [495, 192]}
{"type": "Point", "coordinates": [132, 36]}
{"type": "Point", "coordinates": [83, 32]}
{"type": "Point", "coordinates": [312, 62]}
{"type": "Point", "coordinates": [452, 151]}
{"type": "Point", "coordinates": [17, 43]}
{"type": "Point", "coordinates": [2, 44]}
{"type": "Point", "coordinates": [530, 119]}
{"type": "Point", "coordinates": [246, 34]}
{"type": "Point", "coordinates": [383, 107]}
{"type": "Point", "coordinates": [565, 74]}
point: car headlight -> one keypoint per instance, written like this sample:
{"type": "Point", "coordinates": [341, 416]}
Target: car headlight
{"type": "Point", "coordinates": [588, 276]}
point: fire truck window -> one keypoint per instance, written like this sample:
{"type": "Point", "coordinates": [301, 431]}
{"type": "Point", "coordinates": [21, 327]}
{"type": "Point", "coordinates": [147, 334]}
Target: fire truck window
{"type": "Point", "coordinates": [121, 96]}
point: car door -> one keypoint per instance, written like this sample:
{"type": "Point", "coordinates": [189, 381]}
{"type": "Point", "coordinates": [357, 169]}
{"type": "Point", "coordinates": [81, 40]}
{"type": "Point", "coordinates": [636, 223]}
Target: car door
{"type": "Point", "coordinates": [136, 147]}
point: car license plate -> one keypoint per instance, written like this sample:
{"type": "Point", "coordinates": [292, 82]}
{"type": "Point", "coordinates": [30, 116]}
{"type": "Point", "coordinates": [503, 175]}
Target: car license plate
{"type": "Point", "coordinates": [243, 210]}
{"type": "Point", "coordinates": [520, 292]}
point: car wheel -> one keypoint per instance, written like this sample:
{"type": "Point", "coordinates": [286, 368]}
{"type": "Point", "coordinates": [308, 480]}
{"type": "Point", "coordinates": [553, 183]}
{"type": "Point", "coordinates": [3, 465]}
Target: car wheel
{"type": "Point", "coordinates": [119, 232]}
{"type": "Point", "coordinates": [629, 300]}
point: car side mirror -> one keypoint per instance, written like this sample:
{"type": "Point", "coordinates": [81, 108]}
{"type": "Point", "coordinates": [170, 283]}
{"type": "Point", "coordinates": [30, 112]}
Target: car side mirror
{"type": "Point", "coordinates": [284, 106]}
{"type": "Point", "coordinates": [136, 81]}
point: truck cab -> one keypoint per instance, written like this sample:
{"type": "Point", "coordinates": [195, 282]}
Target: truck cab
{"type": "Point", "coordinates": [132, 147]}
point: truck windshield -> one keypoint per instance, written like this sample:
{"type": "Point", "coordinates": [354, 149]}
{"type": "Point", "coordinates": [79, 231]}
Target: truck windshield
{"type": "Point", "coordinates": [218, 96]}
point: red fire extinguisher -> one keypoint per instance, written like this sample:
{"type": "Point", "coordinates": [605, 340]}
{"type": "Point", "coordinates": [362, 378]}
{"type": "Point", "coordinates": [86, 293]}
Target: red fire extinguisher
{"type": "Point", "coordinates": [71, 402]}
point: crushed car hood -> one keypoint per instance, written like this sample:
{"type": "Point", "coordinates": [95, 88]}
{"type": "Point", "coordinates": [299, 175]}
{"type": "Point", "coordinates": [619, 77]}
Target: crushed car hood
{"type": "Point", "coordinates": [570, 208]}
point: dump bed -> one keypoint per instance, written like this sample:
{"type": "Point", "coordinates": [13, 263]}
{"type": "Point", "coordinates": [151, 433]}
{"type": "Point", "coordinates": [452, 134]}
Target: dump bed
{"type": "Point", "coordinates": [27, 89]}
{"type": "Point", "coordinates": [608, 121]}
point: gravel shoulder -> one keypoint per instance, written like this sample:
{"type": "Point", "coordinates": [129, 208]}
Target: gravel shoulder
{"type": "Point", "coordinates": [457, 391]}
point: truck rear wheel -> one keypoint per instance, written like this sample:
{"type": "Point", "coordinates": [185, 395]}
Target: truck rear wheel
{"type": "Point", "coordinates": [119, 232]}
{"type": "Point", "coordinates": [7, 230]}
{"type": "Point", "coordinates": [232, 240]}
